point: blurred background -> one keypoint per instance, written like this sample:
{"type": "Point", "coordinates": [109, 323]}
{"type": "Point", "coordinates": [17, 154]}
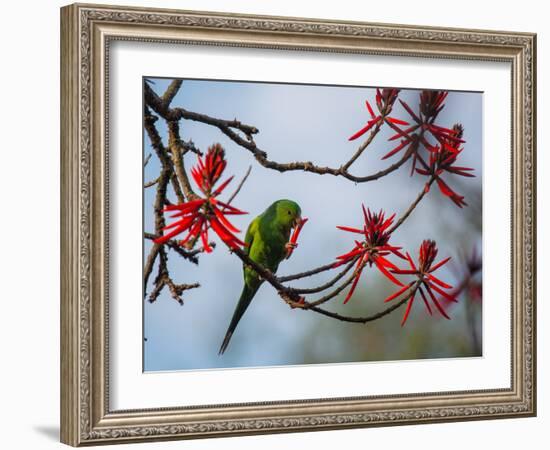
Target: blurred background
{"type": "Point", "coordinates": [304, 122]}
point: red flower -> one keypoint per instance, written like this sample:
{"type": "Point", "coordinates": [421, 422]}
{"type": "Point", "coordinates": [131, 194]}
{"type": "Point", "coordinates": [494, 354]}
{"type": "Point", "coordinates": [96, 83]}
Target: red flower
{"type": "Point", "coordinates": [428, 282]}
{"type": "Point", "coordinates": [442, 159]}
{"type": "Point", "coordinates": [475, 291]}
{"type": "Point", "coordinates": [373, 249]}
{"type": "Point", "coordinates": [293, 243]}
{"type": "Point", "coordinates": [430, 105]}
{"type": "Point", "coordinates": [469, 271]}
{"type": "Point", "coordinates": [384, 101]}
{"type": "Point", "coordinates": [198, 215]}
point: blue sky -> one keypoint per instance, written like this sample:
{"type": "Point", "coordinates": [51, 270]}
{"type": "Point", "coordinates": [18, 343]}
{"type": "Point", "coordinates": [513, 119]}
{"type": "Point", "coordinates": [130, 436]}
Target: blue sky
{"type": "Point", "coordinates": [303, 122]}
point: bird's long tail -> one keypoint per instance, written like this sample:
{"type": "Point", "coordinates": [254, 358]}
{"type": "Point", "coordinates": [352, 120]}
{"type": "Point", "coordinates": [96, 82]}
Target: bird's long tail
{"type": "Point", "coordinates": [246, 297]}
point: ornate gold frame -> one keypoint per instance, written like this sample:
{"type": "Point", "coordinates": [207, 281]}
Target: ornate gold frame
{"type": "Point", "coordinates": [86, 31]}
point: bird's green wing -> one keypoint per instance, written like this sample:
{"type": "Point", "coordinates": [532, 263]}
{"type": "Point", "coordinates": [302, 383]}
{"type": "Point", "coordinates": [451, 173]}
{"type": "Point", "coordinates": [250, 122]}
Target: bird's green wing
{"type": "Point", "coordinates": [250, 233]}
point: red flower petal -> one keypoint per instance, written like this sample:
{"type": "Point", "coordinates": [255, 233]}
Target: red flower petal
{"type": "Point", "coordinates": [439, 264]}
{"type": "Point", "coordinates": [459, 172]}
{"type": "Point", "coordinates": [220, 189]}
{"type": "Point", "coordinates": [187, 206]}
{"type": "Point", "coordinates": [410, 111]}
{"type": "Point", "coordinates": [396, 121]}
{"type": "Point", "coordinates": [407, 311]}
{"type": "Point", "coordinates": [423, 172]}
{"type": "Point", "coordinates": [355, 280]}
{"type": "Point", "coordinates": [443, 293]}
{"type": "Point", "coordinates": [352, 254]}
{"type": "Point", "coordinates": [350, 229]}
{"type": "Point", "coordinates": [193, 232]}
{"type": "Point", "coordinates": [191, 210]}
{"type": "Point", "coordinates": [398, 293]}
{"type": "Point", "coordinates": [297, 230]}
{"type": "Point", "coordinates": [407, 131]}
{"type": "Point", "coordinates": [198, 178]}
{"type": "Point", "coordinates": [224, 234]}
{"type": "Point", "coordinates": [425, 301]}
{"type": "Point", "coordinates": [204, 239]}
{"type": "Point", "coordinates": [167, 237]}
{"type": "Point", "coordinates": [363, 130]}
{"type": "Point", "coordinates": [411, 262]}
{"type": "Point", "coordinates": [371, 112]}
{"type": "Point", "coordinates": [444, 188]}
{"type": "Point", "coordinates": [224, 221]}
{"type": "Point", "coordinates": [185, 222]}
{"type": "Point", "coordinates": [439, 282]}
{"type": "Point", "coordinates": [386, 263]}
{"type": "Point", "coordinates": [436, 303]}
{"type": "Point", "coordinates": [403, 144]}
{"type": "Point", "coordinates": [405, 271]}
{"type": "Point", "coordinates": [232, 209]}
{"type": "Point", "coordinates": [385, 272]}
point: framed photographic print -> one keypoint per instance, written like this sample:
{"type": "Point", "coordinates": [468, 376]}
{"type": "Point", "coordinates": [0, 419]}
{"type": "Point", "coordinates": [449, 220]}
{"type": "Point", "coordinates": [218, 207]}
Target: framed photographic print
{"type": "Point", "coordinates": [276, 224]}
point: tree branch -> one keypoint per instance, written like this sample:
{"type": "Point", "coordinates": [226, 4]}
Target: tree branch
{"type": "Point", "coordinates": [173, 170]}
{"type": "Point", "coordinates": [227, 127]}
{"type": "Point", "coordinates": [328, 283]}
{"type": "Point", "coordinates": [363, 146]}
{"type": "Point", "coordinates": [191, 255]}
{"type": "Point", "coordinates": [176, 150]}
{"type": "Point", "coordinates": [413, 205]}
{"type": "Point", "coordinates": [308, 273]}
{"type": "Point", "coordinates": [158, 252]}
{"type": "Point", "coordinates": [171, 92]}
{"type": "Point", "coordinates": [371, 317]}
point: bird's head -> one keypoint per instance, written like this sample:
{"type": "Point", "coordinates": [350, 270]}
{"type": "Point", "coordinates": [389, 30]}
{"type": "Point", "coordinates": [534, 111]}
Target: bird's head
{"type": "Point", "coordinates": [288, 213]}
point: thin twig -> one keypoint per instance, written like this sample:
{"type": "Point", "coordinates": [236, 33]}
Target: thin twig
{"type": "Point", "coordinates": [371, 317]}
{"type": "Point", "coordinates": [308, 273]}
{"type": "Point", "coordinates": [148, 267]}
{"type": "Point", "coordinates": [413, 205]}
{"type": "Point", "coordinates": [147, 158]}
{"type": "Point", "coordinates": [327, 284]}
{"type": "Point", "coordinates": [151, 183]}
{"type": "Point", "coordinates": [189, 146]}
{"type": "Point", "coordinates": [191, 255]}
{"type": "Point", "coordinates": [239, 186]}
{"type": "Point", "coordinates": [227, 127]}
{"type": "Point", "coordinates": [333, 293]}
{"type": "Point", "coordinates": [363, 146]}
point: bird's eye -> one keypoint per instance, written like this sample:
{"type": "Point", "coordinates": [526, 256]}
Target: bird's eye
{"type": "Point", "coordinates": [289, 213]}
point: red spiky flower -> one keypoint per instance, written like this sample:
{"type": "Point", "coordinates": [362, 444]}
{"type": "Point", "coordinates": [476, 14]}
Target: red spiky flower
{"type": "Point", "coordinates": [372, 249]}
{"type": "Point", "coordinates": [428, 281]}
{"type": "Point", "coordinates": [442, 159]}
{"type": "Point", "coordinates": [468, 270]}
{"type": "Point", "coordinates": [384, 102]}
{"type": "Point", "coordinates": [198, 215]}
{"type": "Point", "coordinates": [430, 105]}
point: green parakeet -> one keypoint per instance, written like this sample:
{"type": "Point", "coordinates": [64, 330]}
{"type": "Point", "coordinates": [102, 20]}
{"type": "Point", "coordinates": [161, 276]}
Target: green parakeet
{"type": "Point", "coordinates": [266, 238]}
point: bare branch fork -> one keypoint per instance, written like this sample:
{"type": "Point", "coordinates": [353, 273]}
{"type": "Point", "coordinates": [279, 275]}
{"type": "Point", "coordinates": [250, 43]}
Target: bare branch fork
{"type": "Point", "coordinates": [173, 172]}
{"type": "Point", "coordinates": [228, 128]}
